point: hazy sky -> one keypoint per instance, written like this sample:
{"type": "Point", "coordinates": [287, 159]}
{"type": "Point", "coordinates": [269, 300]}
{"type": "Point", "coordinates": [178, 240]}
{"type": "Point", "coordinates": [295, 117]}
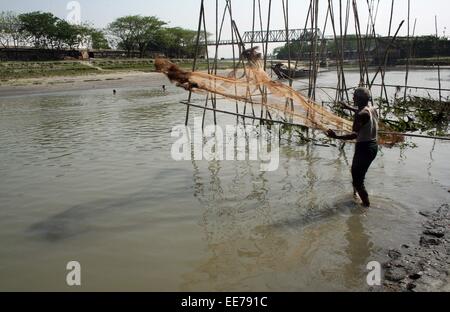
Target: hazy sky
{"type": "Point", "coordinates": [184, 13]}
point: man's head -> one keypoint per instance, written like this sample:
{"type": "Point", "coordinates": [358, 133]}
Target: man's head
{"type": "Point", "coordinates": [361, 97]}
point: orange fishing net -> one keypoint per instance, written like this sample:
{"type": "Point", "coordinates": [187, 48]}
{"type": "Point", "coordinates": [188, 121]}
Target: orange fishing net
{"type": "Point", "coordinates": [251, 84]}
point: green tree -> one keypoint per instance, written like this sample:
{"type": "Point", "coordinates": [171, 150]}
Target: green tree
{"type": "Point", "coordinates": [40, 28]}
{"type": "Point", "coordinates": [66, 35]}
{"type": "Point", "coordinates": [10, 30]}
{"type": "Point", "coordinates": [99, 40]}
{"type": "Point", "coordinates": [48, 31]}
{"type": "Point", "coordinates": [135, 32]}
{"type": "Point", "coordinates": [92, 37]}
{"type": "Point", "coordinates": [177, 42]}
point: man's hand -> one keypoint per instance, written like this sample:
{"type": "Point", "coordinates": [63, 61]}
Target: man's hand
{"type": "Point", "coordinates": [331, 134]}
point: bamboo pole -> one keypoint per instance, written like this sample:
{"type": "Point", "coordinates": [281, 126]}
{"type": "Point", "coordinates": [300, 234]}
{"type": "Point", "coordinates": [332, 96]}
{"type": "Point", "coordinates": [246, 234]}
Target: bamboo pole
{"type": "Point", "coordinates": [233, 48]}
{"type": "Point", "coordinates": [409, 54]}
{"type": "Point", "coordinates": [205, 34]}
{"type": "Point", "coordinates": [269, 13]}
{"type": "Point", "coordinates": [342, 40]}
{"type": "Point", "coordinates": [194, 65]}
{"type": "Point", "coordinates": [286, 25]}
{"type": "Point", "coordinates": [303, 126]}
{"type": "Point", "coordinates": [383, 70]}
{"type": "Point", "coordinates": [300, 50]}
{"type": "Point", "coordinates": [438, 52]}
{"type": "Point", "coordinates": [386, 53]}
{"type": "Point", "coordinates": [253, 23]}
{"type": "Point", "coordinates": [261, 27]}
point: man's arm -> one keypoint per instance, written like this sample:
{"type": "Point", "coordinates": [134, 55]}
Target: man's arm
{"type": "Point", "coordinates": [346, 137]}
{"type": "Point", "coordinates": [345, 105]}
{"type": "Point", "coordinates": [360, 120]}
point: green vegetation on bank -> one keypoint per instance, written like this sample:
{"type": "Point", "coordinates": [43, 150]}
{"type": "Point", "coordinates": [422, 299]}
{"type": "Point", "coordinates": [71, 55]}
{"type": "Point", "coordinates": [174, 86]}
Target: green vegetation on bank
{"type": "Point", "coordinates": [19, 70]}
{"type": "Point", "coordinates": [422, 49]}
{"type": "Point", "coordinates": [430, 61]}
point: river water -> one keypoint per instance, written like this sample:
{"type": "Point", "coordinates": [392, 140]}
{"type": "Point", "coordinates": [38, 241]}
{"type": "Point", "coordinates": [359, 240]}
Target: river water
{"type": "Point", "coordinates": [88, 176]}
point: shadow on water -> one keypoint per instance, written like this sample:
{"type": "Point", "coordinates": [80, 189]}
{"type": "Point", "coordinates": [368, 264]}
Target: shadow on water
{"type": "Point", "coordinates": [107, 215]}
{"type": "Point", "coordinates": [80, 219]}
{"type": "Point", "coordinates": [344, 206]}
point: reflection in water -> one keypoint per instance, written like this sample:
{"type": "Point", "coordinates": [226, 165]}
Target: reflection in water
{"type": "Point", "coordinates": [239, 242]}
{"type": "Point", "coordinates": [249, 239]}
{"type": "Point", "coordinates": [358, 251]}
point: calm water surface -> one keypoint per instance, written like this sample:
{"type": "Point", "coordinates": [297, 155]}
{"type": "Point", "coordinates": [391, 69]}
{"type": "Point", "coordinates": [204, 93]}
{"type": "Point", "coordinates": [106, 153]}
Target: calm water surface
{"type": "Point", "coordinates": [87, 176]}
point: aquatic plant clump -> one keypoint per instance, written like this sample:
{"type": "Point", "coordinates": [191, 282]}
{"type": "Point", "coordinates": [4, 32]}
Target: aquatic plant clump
{"type": "Point", "coordinates": [415, 113]}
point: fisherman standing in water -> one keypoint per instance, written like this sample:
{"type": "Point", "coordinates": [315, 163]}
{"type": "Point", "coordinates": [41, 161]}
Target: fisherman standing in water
{"type": "Point", "coordinates": [365, 131]}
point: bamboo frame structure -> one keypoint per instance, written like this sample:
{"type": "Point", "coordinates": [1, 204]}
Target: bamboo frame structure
{"type": "Point", "coordinates": [340, 23]}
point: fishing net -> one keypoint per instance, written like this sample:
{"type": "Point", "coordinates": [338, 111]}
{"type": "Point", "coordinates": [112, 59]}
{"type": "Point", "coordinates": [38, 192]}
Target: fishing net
{"type": "Point", "coordinates": [252, 85]}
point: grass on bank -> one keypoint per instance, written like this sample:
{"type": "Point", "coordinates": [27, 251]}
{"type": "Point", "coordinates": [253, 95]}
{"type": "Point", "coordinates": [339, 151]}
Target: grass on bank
{"type": "Point", "coordinates": [432, 61]}
{"type": "Point", "coordinates": [20, 70]}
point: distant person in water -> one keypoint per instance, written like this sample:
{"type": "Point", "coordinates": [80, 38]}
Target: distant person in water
{"type": "Point", "coordinates": [114, 92]}
{"type": "Point", "coordinates": [164, 88]}
{"type": "Point", "coordinates": [365, 131]}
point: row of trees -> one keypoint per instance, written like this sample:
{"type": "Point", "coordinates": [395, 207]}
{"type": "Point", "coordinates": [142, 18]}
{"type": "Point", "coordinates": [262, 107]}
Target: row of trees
{"type": "Point", "coordinates": [419, 47]}
{"type": "Point", "coordinates": [44, 30]}
{"type": "Point", "coordinates": [131, 33]}
{"type": "Point", "coordinates": [148, 33]}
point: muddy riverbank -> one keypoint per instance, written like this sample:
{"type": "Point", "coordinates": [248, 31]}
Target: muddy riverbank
{"type": "Point", "coordinates": [111, 81]}
{"type": "Point", "coordinates": [424, 266]}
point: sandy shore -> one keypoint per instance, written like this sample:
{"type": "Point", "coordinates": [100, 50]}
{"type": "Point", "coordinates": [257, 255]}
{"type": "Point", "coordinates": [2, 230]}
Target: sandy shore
{"type": "Point", "coordinates": [87, 82]}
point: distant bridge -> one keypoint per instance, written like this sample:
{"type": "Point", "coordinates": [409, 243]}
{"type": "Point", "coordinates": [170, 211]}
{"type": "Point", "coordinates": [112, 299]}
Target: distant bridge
{"type": "Point", "coordinates": [273, 36]}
